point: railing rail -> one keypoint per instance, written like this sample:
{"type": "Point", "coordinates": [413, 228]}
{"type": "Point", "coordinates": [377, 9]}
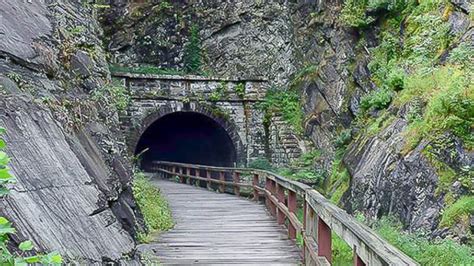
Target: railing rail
{"type": "Point", "coordinates": [281, 195]}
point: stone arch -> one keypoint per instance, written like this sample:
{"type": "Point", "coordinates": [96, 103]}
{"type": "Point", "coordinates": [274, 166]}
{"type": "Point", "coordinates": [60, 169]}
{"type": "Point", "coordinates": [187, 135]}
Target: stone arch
{"type": "Point", "coordinates": [215, 113]}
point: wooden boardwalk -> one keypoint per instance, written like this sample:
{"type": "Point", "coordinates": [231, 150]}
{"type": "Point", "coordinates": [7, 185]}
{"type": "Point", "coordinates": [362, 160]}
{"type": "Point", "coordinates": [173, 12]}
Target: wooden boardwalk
{"type": "Point", "coordinates": [220, 229]}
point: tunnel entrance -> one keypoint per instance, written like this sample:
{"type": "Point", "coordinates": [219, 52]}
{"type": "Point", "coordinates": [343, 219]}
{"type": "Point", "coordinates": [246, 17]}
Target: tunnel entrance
{"type": "Point", "coordinates": [186, 137]}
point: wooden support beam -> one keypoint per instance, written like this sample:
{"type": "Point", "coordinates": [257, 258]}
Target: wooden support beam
{"type": "Point", "coordinates": [324, 240]}
{"type": "Point", "coordinates": [280, 195]}
{"type": "Point", "coordinates": [357, 260]}
{"type": "Point", "coordinates": [182, 179]}
{"type": "Point", "coordinates": [292, 208]}
{"type": "Point", "coordinates": [255, 185]}
{"type": "Point", "coordinates": [208, 177]}
{"type": "Point", "coordinates": [236, 180]}
{"type": "Point", "coordinates": [198, 174]}
{"type": "Point", "coordinates": [268, 202]}
{"type": "Point", "coordinates": [222, 185]}
{"type": "Point", "coordinates": [188, 173]}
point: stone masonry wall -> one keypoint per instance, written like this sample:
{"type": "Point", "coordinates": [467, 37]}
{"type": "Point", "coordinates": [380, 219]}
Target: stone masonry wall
{"type": "Point", "coordinates": [221, 99]}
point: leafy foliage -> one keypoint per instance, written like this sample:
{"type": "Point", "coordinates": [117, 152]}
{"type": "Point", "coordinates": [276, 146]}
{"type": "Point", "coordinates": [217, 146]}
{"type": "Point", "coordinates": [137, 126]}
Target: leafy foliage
{"type": "Point", "coordinates": [6, 228]}
{"type": "Point", "coordinates": [153, 206]}
{"type": "Point", "coordinates": [354, 13]}
{"type": "Point", "coordinates": [303, 169]}
{"type": "Point", "coordinates": [376, 100]}
{"type": "Point", "coordinates": [339, 181]}
{"type": "Point", "coordinates": [261, 163]}
{"type": "Point", "coordinates": [458, 212]}
{"type": "Point", "coordinates": [219, 93]}
{"type": "Point", "coordinates": [192, 52]}
{"type": "Point", "coordinates": [343, 138]}
{"type": "Point", "coordinates": [449, 95]}
{"type": "Point", "coordinates": [113, 96]}
{"type": "Point", "coordinates": [287, 103]}
{"type": "Point", "coordinates": [420, 248]}
{"type": "Point", "coordinates": [240, 90]}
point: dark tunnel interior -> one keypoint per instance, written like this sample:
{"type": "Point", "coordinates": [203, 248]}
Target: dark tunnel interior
{"type": "Point", "coordinates": [186, 137]}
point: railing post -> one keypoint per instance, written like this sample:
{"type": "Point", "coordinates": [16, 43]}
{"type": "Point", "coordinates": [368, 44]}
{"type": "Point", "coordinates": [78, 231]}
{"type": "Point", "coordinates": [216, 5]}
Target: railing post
{"type": "Point", "coordinates": [272, 192]}
{"type": "Point", "coordinates": [255, 185]}
{"type": "Point", "coordinates": [236, 180]}
{"type": "Point", "coordinates": [280, 195]}
{"type": "Point", "coordinates": [305, 229]}
{"type": "Point", "coordinates": [182, 179]}
{"type": "Point", "coordinates": [357, 260]}
{"type": "Point", "coordinates": [268, 201]}
{"type": "Point", "coordinates": [324, 240]}
{"type": "Point", "coordinates": [197, 173]}
{"type": "Point", "coordinates": [292, 205]}
{"type": "Point", "coordinates": [222, 185]}
{"type": "Point", "coordinates": [208, 176]}
{"type": "Point", "coordinates": [187, 180]}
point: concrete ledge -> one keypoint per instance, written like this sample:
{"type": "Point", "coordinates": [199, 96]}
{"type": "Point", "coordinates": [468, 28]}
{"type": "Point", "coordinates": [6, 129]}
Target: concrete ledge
{"type": "Point", "coordinates": [184, 77]}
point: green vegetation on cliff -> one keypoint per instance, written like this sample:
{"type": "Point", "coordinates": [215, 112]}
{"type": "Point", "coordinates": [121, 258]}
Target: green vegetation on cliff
{"type": "Point", "coordinates": [408, 67]}
{"type": "Point", "coordinates": [459, 212]}
{"type": "Point", "coordinates": [192, 57]}
{"type": "Point", "coordinates": [26, 254]}
{"type": "Point", "coordinates": [153, 206]}
{"type": "Point", "coordinates": [284, 102]}
{"type": "Point", "coordinates": [418, 246]}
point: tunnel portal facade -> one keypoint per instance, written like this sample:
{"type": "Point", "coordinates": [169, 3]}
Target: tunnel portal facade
{"type": "Point", "coordinates": [203, 120]}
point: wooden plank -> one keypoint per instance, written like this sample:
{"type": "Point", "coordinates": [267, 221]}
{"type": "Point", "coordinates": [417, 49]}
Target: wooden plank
{"type": "Point", "coordinates": [218, 228]}
{"type": "Point", "coordinates": [369, 248]}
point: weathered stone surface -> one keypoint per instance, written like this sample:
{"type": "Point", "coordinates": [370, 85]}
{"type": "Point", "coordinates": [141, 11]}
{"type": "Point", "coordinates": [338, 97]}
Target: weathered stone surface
{"type": "Point", "coordinates": [239, 38]}
{"type": "Point", "coordinates": [386, 182]}
{"type": "Point", "coordinates": [56, 202]}
{"type": "Point", "coordinates": [22, 25]}
{"type": "Point", "coordinates": [73, 191]}
{"type": "Point", "coordinates": [81, 63]}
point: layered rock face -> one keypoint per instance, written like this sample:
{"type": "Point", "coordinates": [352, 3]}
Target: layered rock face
{"type": "Point", "coordinates": [239, 38]}
{"type": "Point", "coordinates": [72, 193]}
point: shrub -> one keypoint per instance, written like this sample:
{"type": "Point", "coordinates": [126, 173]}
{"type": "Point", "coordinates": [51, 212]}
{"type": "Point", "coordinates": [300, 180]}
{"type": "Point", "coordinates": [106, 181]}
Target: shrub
{"type": "Point", "coordinates": [458, 212]}
{"type": "Point", "coordinates": [240, 90]}
{"type": "Point", "coordinates": [449, 97]}
{"type": "Point", "coordinates": [376, 100]}
{"type": "Point", "coordinates": [192, 57]}
{"type": "Point", "coordinates": [354, 14]}
{"type": "Point", "coordinates": [463, 55]}
{"type": "Point", "coordinates": [343, 139]}
{"type": "Point", "coordinates": [153, 206]}
{"type": "Point", "coordinates": [420, 248]}
{"type": "Point", "coordinates": [112, 97]}
{"type": "Point", "coordinates": [287, 103]}
{"type": "Point", "coordinates": [396, 80]}
{"type": "Point", "coordinates": [261, 163]}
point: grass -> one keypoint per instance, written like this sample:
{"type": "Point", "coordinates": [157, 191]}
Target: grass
{"type": "Point", "coordinates": [449, 95]}
{"type": "Point", "coordinates": [153, 206]}
{"type": "Point", "coordinates": [458, 212]}
{"type": "Point", "coordinates": [420, 248]}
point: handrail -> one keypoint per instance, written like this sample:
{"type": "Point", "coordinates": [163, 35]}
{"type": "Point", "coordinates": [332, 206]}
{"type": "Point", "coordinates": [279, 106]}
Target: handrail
{"type": "Point", "coordinates": [321, 217]}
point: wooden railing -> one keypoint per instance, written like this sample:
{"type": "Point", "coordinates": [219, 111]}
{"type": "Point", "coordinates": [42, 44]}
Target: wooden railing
{"type": "Point", "coordinates": [283, 199]}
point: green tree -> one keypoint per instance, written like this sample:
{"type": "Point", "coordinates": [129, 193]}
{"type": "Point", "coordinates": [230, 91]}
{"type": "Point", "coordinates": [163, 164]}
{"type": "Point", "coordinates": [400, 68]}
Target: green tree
{"type": "Point", "coordinates": [192, 52]}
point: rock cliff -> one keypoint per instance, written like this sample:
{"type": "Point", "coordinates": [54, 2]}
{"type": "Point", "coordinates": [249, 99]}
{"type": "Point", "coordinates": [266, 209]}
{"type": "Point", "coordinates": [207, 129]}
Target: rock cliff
{"type": "Point", "coordinates": [72, 193]}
